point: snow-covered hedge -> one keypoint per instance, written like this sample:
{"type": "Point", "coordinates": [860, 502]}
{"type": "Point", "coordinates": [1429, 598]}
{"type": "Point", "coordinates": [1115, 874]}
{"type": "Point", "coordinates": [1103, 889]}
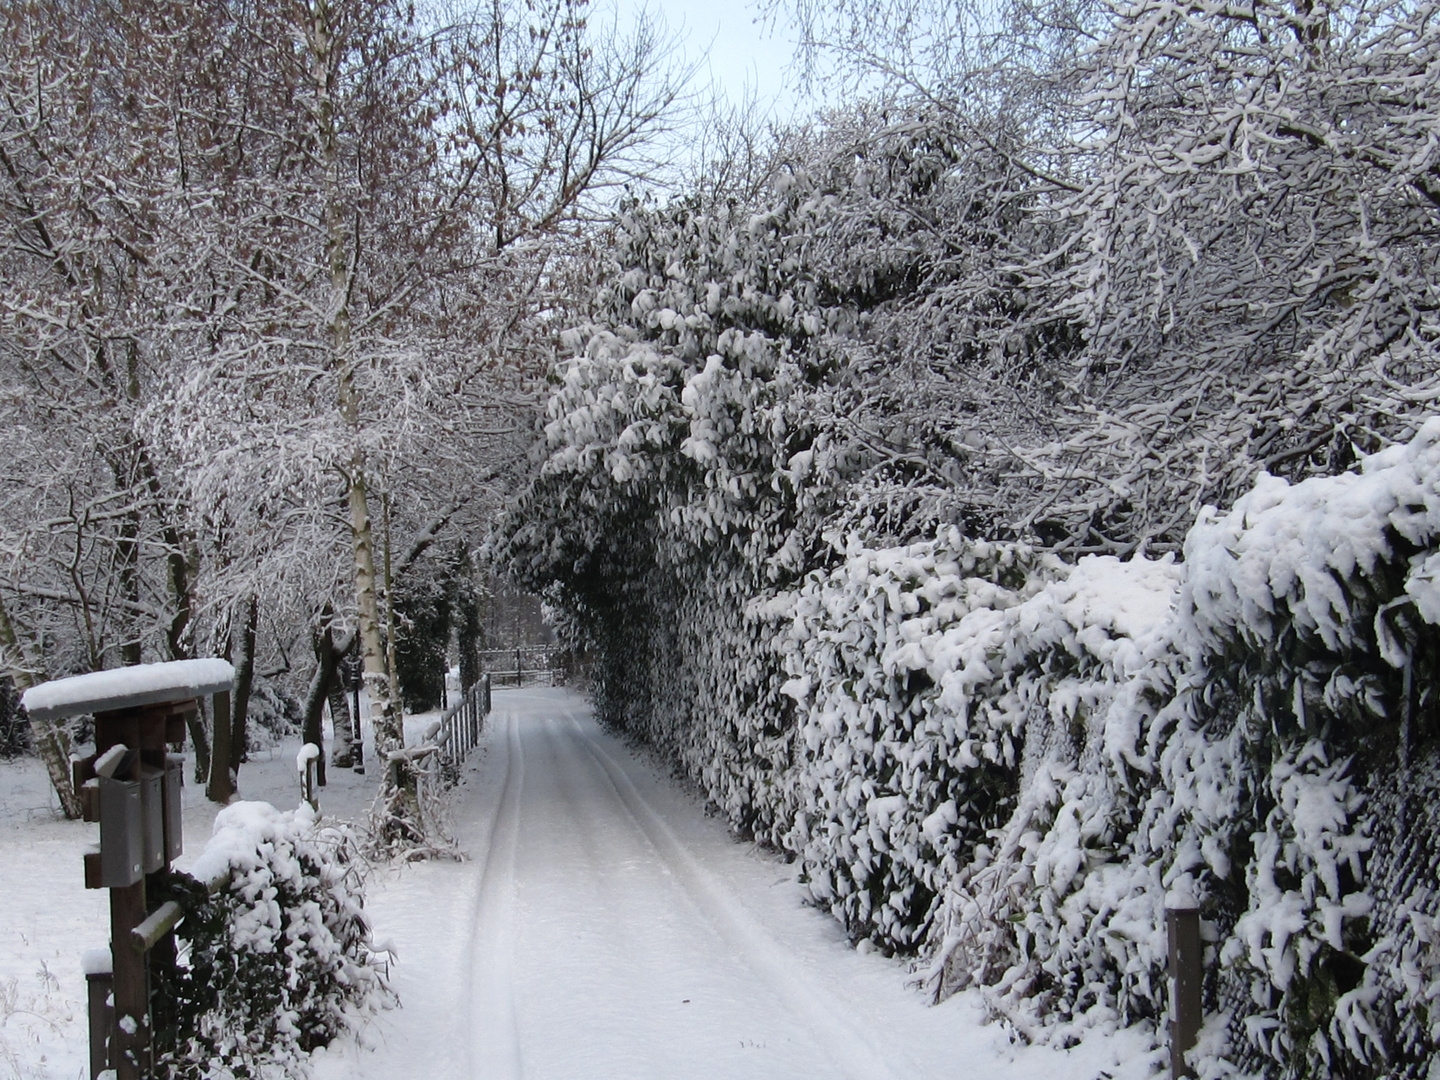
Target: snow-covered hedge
{"type": "Point", "coordinates": [279, 961]}
{"type": "Point", "coordinates": [1015, 760]}
{"type": "Point", "coordinates": [932, 681]}
{"type": "Point", "coordinates": [1005, 762]}
{"type": "Point", "coordinates": [982, 754]}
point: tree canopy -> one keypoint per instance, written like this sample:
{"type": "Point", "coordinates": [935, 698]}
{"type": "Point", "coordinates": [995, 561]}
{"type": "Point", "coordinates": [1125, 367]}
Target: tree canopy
{"type": "Point", "coordinates": [280, 278]}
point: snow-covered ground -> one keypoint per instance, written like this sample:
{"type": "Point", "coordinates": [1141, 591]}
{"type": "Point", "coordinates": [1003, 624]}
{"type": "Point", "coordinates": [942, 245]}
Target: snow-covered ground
{"type": "Point", "coordinates": [48, 918]}
{"type": "Point", "coordinates": [602, 926]}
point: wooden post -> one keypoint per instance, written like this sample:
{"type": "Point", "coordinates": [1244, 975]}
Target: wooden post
{"type": "Point", "coordinates": [308, 784]}
{"type": "Point", "coordinates": [130, 788]}
{"type": "Point", "coordinates": [146, 729]}
{"type": "Point", "coordinates": [1182, 923]}
{"type": "Point", "coordinates": [130, 1048]}
{"type": "Point", "coordinates": [98, 987]}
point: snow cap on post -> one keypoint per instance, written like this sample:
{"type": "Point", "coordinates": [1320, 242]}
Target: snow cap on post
{"type": "Point", "coordinates": [1181, 895]}
{"type": "Point", "coordinates": [97, 961]}
{"type": "Point", "coordinates": [128, 687]}
{"type": "Point", "coordinates": [308, 753]}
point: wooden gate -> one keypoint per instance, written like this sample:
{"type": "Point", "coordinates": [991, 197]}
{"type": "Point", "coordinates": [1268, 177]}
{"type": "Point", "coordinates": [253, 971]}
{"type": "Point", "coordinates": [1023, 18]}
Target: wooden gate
{"type": "Point", "coordinates": [526, 665]}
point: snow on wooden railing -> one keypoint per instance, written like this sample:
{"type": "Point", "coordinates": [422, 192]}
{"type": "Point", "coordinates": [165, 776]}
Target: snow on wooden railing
{"type": "Point", "coordinates": [460, 729]}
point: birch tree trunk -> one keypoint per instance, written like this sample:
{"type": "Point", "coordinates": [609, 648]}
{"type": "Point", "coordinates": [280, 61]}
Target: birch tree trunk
{"type": "Point", "coordinates": [385, 709]}
{"type": "Point", "coordinates": [326, 63]}
{"type": "Point", "coordinates": [51, 742]}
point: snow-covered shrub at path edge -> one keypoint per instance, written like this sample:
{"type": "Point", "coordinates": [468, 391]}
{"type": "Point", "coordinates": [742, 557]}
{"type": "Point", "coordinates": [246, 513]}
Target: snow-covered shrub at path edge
{"type": "Point", "coordinates": [279, 961]}
{"type": "Point", "coordinates": [1015, 760]}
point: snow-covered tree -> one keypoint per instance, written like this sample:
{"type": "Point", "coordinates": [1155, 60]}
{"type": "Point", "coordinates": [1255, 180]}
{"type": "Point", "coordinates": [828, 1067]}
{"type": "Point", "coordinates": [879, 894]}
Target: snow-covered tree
{"type": "Point", "coordinates": [1253, 262]}
{"type": "Point", "coordinates": [277, 267]}
{"type": "Point", "coordinates": [1233, 223]}
{"type": "Point", "coordinates": [98, 557]}
{"type": "Point", "coordinates": [833, 484]}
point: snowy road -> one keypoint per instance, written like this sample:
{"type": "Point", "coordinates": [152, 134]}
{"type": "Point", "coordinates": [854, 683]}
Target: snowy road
{"type": "Point", "coordinates": [606, 927]}
{"type": "Point", "coordinates": [590, 896]}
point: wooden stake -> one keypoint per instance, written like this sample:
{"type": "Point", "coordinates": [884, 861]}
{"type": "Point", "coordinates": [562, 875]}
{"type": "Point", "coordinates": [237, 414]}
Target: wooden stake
{"type": "Point", "coordinates": [98, 987]}
{"type": "Point", "coordinates": [130, 1050]}
{"type": "Point", "coordinates": [1183, 929]}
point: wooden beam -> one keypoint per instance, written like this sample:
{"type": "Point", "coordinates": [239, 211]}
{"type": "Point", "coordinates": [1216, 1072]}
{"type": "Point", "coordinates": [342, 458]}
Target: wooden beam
{"type": "Point", "coordinates": [156, 925]}
{"type": "Point", "coordinates": [130, 1048]}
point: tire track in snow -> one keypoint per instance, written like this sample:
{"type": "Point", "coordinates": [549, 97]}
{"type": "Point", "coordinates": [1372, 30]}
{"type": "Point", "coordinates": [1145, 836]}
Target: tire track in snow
{"type": "Point", "coordinates": [828, 1021]}
{"type": "Point", "coordinates": [605, 906]}
{"type": "Point", "coordinates": [495, 1036]}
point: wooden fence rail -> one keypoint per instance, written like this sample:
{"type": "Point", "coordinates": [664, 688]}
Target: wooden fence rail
{"type": "Point", "coordinates": [460, 729]}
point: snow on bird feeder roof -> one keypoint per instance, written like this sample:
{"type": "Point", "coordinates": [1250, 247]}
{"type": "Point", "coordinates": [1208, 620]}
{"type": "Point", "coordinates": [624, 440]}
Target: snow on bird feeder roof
{"type": "Point", "coordinates": [127, 687]}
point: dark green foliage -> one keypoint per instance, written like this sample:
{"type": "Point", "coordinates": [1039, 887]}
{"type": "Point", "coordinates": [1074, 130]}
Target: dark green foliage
{"type": "Point", "coordinates": [469, 630]}
{"type": "Point", "coordinates": [277, 962]}
{"type": "Point", "coordinates": [435, 601]}
{"type": "Point", "coordinates": [424, 606]}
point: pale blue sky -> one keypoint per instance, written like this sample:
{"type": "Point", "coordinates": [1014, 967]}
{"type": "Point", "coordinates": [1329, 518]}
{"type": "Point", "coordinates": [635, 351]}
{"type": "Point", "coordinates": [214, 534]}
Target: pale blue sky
{"type": "Point", "coordinates": [736, 51]}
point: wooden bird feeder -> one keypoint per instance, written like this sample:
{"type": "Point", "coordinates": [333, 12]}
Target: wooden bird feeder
{"type": "Point", "coordinates": [131, 787]}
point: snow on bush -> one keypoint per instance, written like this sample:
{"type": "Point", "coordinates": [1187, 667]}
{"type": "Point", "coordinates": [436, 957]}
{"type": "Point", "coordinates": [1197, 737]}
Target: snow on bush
{"type": "Point", "coordinates": [982, 754]}
{"type": "Point", "coordinates": [888, 762]}
{"type": "Point", "coordinates": [1225, 746]}
{"type": "Point", "coordinates": [1004, 762]}
{"type": "Point", "coordinates": [957, 698]}
{"type": "Point", "coordinates": [279, 961]}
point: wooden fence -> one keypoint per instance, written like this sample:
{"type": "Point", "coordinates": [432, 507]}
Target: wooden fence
{"type": "Point", "coordinates": [460, 729]}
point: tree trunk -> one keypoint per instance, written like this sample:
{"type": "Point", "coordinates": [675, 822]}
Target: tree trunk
{"type": "Point", "coordinates": [385, 710]}
{"type": "Point", "coordinates": [312, 728]}
{"type": "Point", "coordinates": [51, 742]}
{"type": "Point", "coordinates": [222, 784]}
{"type": "Point", "coordinates": [324, 685]}
{"type": "Point", "coordinates": [195, 724]}
{"type": "Point", "coordinates": [353, 682]}
{"type": "Point", "coordinates": [325, 60]}
{"type": "Point", "coordinates": [400, 823]}
{"type": "Point", "coordinates": [347, 736]}
{"type": "Point", "coordinates": [244, 680]}
{"type": "Point", "coordinates": [178, 571]}
{"type": "Point", "coordinates": [469, 635]}
{"type": "Point", "coordinates": [127, 555]}
{"type": "Point", "coordinates": [391, 667]}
